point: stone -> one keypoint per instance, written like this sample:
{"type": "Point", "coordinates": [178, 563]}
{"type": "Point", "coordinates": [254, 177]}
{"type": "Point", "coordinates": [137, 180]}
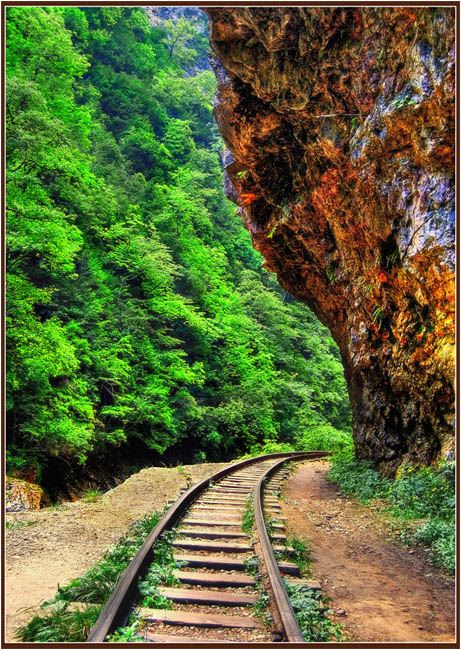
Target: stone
{"type": "Point", "coordinates": [340, 126]}
{"type": "Point", "coordinates": [22, 496]}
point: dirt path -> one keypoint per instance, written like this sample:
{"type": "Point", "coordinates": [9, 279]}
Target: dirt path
{"type": "Point", "coordinates": [52, 546]}
{"type": "Point", "coordinates": [379, 590]}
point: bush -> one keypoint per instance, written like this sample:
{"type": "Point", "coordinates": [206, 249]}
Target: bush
{"type": "Point", "coordinates": [424, 492]}
{"type": "Point", "coordinates": [324, 437]}
{"type": "Point", "coordinates": [269, 447]}
{"type": "Point", "coordinates": [440, 537]}
{"type": "Point", "coordinates": [311, 610]}
{"type": "Point", "coordinates": [357, 477]}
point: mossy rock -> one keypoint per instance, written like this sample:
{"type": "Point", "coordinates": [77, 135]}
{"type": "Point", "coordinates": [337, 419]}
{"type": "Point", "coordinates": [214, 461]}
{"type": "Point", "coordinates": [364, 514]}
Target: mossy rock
{"type": "Point", "coordinates": [22, 496]}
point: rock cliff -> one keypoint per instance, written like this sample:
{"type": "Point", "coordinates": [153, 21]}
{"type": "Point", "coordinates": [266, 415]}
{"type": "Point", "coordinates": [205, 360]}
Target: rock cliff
{"type": "Point", "coordinates": [340, 129]}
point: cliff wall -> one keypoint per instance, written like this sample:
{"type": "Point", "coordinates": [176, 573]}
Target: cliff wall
{"type": "Point", "coordinates": [340, 129]}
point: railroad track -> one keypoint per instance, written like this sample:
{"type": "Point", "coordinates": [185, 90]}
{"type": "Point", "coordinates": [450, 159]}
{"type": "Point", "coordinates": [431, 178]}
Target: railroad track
{"type": "Point", "coordinates": [214, 598]}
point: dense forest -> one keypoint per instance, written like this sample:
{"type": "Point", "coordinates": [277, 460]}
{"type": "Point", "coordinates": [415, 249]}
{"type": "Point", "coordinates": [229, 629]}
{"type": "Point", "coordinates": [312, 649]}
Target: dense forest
{"type": "Point", "coordinates": [138, 314]}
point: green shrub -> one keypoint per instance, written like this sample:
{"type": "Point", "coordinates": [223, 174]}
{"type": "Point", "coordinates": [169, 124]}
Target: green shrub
{"type": "Point", "coordinates": [311, 611]}
{"type": "Point", "coordinates": [424, 492]}
{"type": "Point", "coordinates": [357, 477]}
{"type": "Point", "coordinates": [440, 537]}
{"type": "Point", "coordinates": [324, 437]}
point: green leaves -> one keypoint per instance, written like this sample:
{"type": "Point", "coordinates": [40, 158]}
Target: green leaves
{"type": "Point", "coordinates": [137, 308]}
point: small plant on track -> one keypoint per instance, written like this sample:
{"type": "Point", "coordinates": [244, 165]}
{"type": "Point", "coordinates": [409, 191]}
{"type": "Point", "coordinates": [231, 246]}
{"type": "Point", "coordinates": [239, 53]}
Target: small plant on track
{"type": "Point", "coordinates": [248, 517]}
{"type": "Point", "coordinates": [297, 551]}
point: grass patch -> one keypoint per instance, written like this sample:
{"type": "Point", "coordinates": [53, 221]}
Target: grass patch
{"type": "Point", "coordinates": [62, 624]}
{"type": "Point", "coordinates": [11, 525]}
{"type": "Point", "coordinates": [422, 500]}
{"type": "Point", "coordinates": [91, 496]}
{"type": "Point", "coordinates": [95, 587]}
{"type": "Point", "coordinates": [311, 610]}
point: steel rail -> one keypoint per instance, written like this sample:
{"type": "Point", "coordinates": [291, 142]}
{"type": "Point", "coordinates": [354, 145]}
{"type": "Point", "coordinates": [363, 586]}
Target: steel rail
{"type": "Point", "coordinates": [282, 601]}
{"type": "Point", "coordinates": [117, 608]}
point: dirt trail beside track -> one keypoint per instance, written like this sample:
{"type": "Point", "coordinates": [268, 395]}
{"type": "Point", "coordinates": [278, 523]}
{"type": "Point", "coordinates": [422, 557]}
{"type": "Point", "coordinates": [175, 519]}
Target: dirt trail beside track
{"type": "Point", "coordinates": [379, 590]}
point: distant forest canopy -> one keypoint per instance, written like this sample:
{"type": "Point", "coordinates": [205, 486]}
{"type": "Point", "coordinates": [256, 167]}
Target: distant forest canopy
{"type": "Point", "coordinates": [137, 311]}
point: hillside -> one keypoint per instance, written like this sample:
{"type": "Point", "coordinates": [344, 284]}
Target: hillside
{"type": "Point", "coordinates": [141, 324]}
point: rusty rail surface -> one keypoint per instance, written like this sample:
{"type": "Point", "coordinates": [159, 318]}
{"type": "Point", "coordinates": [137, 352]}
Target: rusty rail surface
{"type": "Point", "coordinates": [118, 607]}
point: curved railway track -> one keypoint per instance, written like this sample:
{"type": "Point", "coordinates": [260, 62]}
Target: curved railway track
{"type": "Point", "coordinates": [213, 553]}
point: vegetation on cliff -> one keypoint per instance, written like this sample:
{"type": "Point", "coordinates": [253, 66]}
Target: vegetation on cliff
{"type": "Point", "coordinates": [138, 312]}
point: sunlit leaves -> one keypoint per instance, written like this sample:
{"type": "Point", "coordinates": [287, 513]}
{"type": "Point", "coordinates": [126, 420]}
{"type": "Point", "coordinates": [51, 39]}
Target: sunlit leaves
{"type": "Point", "coordinates": [137, 308]}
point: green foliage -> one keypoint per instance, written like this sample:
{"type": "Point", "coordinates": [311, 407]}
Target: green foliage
{"type": "Point", "coordinates": [358, 477]}
{"type": "Point", "coordinates": [161, 571]}
{"type": "Point", "coordinates": [251, 565]}
{"type": "Point", "coordinates": [18, 524]}
{"type": "Point", "coordinates": [440, 537]}
{"type": "Point", "coordinates": [91, 495]}
{"type": "Point", "coordinates": [377, 314]}
{"type": "Point", "coordinates": [331, 275]}
{"type": "Point", "coordinates": [311, 611]}
{"type": "Point", "coordinates": [62, 624]}
{"type": "Point", "coordinates": [127, 634]}
{"type": "Point", "coordinates": [298, 551]}
{"type": "Point", "coordinates": [137, 308]}
{"type": "Point", "coordinates": [426, 493]}
{"type": "Point", "coordinates": [248, 517]}
{"type": "Point", "coordinates": [324, 437]}
{"type": "Point", "coordinates": [261, 607]}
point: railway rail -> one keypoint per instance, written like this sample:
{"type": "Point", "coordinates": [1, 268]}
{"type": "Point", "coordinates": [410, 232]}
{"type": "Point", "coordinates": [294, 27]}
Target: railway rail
{"type": "Point", "coordinates": [212, 553]}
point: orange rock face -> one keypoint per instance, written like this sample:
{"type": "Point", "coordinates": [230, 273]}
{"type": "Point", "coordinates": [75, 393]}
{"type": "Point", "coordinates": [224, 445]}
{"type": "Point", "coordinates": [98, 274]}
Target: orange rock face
{"type": "Point", "coordinates": [21, 496]}
{"type": "Point", "coordinates": [340, 129]}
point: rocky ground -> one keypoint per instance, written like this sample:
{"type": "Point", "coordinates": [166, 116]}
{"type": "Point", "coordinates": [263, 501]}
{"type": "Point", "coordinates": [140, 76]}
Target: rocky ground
{"type": "Point", "coordinates": [380, 591]}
